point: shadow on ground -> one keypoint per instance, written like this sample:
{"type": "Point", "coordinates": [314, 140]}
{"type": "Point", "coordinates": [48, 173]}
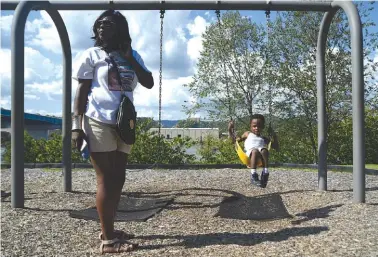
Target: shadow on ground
{"type": "Point", "coordinates": [203, 240]}
{"type": "Point", "coordinates": [265, 207]}
{"type": "Point", "coordinates": [317, 213]}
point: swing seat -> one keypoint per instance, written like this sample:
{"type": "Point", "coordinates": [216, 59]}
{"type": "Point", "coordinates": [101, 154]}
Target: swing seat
{"type": "Point", "coordinates": [244, 158]}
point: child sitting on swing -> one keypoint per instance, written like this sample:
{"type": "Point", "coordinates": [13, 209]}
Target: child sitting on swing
{"type": "Point", "coordinates": [255, 147]}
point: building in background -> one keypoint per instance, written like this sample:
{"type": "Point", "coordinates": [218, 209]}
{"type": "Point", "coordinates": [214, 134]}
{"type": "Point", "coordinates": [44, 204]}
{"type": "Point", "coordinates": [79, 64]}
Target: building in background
{"type": "Point", "coordinates": [38, 126]}
{"type": "Point", "coordinates": [193, 133]}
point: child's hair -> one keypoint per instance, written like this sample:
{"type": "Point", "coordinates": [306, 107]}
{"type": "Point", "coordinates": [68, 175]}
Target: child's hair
{"type": "Point", "coordinates": [258, 117]}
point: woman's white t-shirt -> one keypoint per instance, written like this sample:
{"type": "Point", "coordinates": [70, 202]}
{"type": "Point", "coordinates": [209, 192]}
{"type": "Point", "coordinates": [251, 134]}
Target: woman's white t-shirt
{"type": "Point", "coordinates": [108, 82]}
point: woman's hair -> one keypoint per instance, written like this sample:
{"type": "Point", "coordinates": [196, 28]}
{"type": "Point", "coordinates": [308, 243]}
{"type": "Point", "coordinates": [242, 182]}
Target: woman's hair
{"type": "Point", "coordinates": [122, 34]}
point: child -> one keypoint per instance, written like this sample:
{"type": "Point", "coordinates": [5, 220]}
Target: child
{"type": "Point", "coordinates": [255, 147]}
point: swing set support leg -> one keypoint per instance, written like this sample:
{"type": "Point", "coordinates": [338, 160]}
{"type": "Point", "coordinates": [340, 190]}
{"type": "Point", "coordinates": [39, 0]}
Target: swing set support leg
{"type": "Point", "coordinates": [357, 98]}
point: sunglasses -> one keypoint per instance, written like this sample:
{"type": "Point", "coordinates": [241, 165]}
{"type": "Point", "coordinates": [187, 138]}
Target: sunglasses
{"type": "Point", "coordinates": [106, 23]}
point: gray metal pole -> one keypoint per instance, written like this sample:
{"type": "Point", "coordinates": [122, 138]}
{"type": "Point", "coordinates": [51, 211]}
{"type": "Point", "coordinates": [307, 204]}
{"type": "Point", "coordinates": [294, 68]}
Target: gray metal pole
{"type": "Point", "coordinates": [274, 5]}
{"type": "Point", "coordinates": [358, 99]}
{"type": "Point", "coordinates": [67, 92]}
{"type": "Point", "coordinates": [321, 99]}
{"type": "Point", "coordinates": [17, 119]}
{"type": "Point", "coordinates": [17, 96]}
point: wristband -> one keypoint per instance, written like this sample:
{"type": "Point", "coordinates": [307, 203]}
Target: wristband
{"type": "Point", "coordinates": [76, 122]}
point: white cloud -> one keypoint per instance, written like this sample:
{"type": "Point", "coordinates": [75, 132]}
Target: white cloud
{"type": "Point", "coordinates": [146, 40]}
{"type": "Point", "coordinates": [37, 66]}
{"type": "Point", "coordinates": [173, 96]}
{"type": "Point", "coordinates": [5, 102]}
{"type": "Point", "coordinates": [6, 23]}
{"type": "Point", "coordinates": [44, 112]}
{"type": "Point", "coordinates": [5, 56]}
{"type": "Point", "coordinates": [196, 29]}
{"type": "Point", "coordinates": [78, 26]}
{"type": "Point", "coordinates": [43, 68]}
{"type": "Point", "coordinates": [34, 25]}
{"type": "Point", "coordinates": [50, 89]}
{"type": "Point", "coordinates": [32, 97]}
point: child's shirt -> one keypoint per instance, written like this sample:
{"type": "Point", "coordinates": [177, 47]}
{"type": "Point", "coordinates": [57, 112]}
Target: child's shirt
{"type": "Point", "coordinates": [254, 141]}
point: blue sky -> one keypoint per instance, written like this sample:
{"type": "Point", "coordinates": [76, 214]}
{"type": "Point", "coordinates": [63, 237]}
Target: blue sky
{"type": "Point", "coordinates": [43, 68]}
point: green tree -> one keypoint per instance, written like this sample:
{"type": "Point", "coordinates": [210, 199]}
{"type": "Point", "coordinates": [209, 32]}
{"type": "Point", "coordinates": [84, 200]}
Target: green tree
{"type": "Point", "coordinates": [341, 141]}
{"type": "Point", "coordinates": [294, 52]}
{"type": "Point", "coordinates": [230, 79]}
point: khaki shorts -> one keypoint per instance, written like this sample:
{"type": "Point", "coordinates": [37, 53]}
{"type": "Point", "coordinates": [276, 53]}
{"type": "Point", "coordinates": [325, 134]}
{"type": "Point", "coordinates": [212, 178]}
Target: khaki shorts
{"type": "Point", "coordinates": [103, 137]}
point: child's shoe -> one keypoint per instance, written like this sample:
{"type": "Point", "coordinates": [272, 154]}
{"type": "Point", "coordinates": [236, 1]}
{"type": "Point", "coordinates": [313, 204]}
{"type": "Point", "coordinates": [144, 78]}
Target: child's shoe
{"type": "Point", "coordinates": [264, 179]}
{"type": "Point", "coordinates": [255, 179]}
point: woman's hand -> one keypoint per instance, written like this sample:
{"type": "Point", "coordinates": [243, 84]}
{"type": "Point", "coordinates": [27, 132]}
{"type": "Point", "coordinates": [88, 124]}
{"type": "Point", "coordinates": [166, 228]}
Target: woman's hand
{"type": "Point", "coordinates": [77, 138]}
{"type": "Point", "coordinates": [127, 51]}
{"type": "Point", "coordinates": [144, 78]}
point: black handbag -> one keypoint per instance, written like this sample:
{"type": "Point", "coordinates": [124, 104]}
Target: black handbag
{"type": "Point", "coordinates": [126, 121]}
{"type": "Point", "coordinates": [126, 115]}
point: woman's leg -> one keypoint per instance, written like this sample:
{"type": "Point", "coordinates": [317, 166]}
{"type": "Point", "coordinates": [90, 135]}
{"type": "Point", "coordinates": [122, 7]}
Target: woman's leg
{"type": "Point", "coordinates": [106, 197]}
{"type": "Point", "coordinates": [120, 169]}
{"type": "Point", "coordinates": [109, 186]}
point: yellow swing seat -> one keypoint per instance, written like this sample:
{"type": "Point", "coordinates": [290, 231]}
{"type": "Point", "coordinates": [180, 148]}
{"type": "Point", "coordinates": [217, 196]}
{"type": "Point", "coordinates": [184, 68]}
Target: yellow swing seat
{"type": "Point", "coordinates": [244, 158]}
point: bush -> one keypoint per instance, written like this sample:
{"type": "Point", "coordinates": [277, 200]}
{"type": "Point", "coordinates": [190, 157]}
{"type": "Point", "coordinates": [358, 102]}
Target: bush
{"type": "Point", "coordinates": [149, 148]}
{"type": "Point", "coordinates": [42, 150]}
{"type": "Point", "coordinates": [217, 151]}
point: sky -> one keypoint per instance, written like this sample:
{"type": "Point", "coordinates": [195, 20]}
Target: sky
{"type": "Point", "coordinates": [181, 50]}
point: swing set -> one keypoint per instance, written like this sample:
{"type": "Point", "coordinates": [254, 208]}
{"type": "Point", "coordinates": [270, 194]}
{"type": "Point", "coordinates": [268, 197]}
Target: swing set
{"type": "Point", "coordinates": [23, 8]}
{"type": "Point", "coordinates": [244, 158]}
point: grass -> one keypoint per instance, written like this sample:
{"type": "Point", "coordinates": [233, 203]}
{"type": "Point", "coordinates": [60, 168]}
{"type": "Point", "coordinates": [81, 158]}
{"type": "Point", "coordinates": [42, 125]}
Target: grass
{"type": "Point", "coordinates": [372, 166]}
{"type": "Point", "coordinates": [367, 166]}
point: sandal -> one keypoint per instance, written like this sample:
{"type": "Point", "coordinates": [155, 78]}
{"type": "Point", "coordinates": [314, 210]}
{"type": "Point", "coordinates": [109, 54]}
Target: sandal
{"type": "Point", "coordinates": [116, 246]}
{"type": "Point", "coordinates": [119, 234]}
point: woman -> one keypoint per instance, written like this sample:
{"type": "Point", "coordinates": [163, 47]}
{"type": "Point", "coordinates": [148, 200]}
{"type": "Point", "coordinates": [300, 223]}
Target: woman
{"type": "Point", "coordinates": [105, 72]}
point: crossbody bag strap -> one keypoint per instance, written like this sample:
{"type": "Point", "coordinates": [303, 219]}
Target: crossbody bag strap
{"type": "Point", "coordinates": [115, 64]}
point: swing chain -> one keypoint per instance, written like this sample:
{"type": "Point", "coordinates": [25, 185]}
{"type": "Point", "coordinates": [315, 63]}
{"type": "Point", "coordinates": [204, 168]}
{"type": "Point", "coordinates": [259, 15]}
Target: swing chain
{"type": "Point", "coordinates": [218, 17]}
{"type": "Point", "coordinates": [161, 64]}
{"type": "Point", "coordinates": [267, 14]}
{"type": "Point", "coordinates": [160, 78]}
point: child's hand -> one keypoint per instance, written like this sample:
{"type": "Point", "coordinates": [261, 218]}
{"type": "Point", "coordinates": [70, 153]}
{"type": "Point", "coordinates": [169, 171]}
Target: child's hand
{"type": "Point", "coordinates": [231, 125]}
{"type": "Point", "coordinates": [238, 139]}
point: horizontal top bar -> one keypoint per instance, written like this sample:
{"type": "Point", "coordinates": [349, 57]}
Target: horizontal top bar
{"type": "Point", "coordinates": [275, 5]}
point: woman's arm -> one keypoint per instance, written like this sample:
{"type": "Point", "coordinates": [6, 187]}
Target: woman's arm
{"type": "Point", "coordinates": [81, 97]}
{"type": "Point", "coordinates": [144, 77]}
{"type": "Point", "coordinates": [80, 104]}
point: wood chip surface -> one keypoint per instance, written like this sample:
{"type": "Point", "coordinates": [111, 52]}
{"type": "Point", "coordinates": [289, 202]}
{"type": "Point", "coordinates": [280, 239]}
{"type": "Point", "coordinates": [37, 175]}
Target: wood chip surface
{"type": "Point", "coordinates": [321, 223]}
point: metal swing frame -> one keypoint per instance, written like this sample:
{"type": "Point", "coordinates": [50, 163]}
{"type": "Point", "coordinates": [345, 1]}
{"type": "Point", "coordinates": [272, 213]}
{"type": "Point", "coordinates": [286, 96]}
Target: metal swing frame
{"type": "Point", "coordinates": [23, 8]}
